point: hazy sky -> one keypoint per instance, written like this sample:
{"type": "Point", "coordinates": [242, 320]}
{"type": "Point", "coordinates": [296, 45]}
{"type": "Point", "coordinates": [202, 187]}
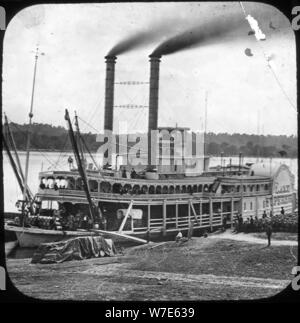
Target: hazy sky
{"type": "Point", "coordinates": [243, 94]}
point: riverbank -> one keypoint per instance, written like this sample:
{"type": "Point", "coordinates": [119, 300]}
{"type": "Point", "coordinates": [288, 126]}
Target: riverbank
{"type": "Point", "coordinates": [210, 268]}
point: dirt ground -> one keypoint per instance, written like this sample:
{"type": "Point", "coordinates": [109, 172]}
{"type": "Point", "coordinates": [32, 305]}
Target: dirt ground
{"type": "Point", "coordinates": [199, 269]}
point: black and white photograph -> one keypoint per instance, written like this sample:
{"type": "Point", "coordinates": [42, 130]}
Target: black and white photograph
{"type": "Point", "coordinates": [150, 153]}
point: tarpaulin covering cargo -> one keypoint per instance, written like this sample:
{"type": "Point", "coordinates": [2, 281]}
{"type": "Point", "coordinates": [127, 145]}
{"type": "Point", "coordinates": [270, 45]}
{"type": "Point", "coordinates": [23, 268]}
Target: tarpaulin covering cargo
{"type": "Point", "coordinates": [73, 249]}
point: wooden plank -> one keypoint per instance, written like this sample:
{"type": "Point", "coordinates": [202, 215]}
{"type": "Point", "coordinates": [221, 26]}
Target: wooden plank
{"type": "Point", "coordinates": [158, 244]}
{"type": "Point", "coordinates": [176, 214]}
{"type": "Point", "coordinates": [125, 217]}
{"type": "Point", "coordinates": [231, 213]}
{"type": "Point", "coordinates": [194, 212]}
{"type": "Point", "coordinates": [119, 235]}
{"type": "Point", "coordinates": [164, 218]}
{"type": "Point", "coordinates": [210, 213]}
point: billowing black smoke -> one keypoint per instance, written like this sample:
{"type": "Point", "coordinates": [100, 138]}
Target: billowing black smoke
{"type": "Point", "coordinates": [132, 42]}
{"type": "Point", "coordinates": [201, 34]}
{"type": "Point", "coordinates": [157, 31]}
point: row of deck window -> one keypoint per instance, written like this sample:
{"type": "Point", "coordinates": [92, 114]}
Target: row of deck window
{"type": "Point", "coordinates": [118, 188]}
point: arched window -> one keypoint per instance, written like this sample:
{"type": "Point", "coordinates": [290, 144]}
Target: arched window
{"type": "Point", "coordinates": [200, 188]}
{"type": "Point", "coordinates": [136, 189]}
{"type": "Point", "coordinates": [117, 188]}
{"type": "Point", "coordinates": [165, 189]}
{"type": "Point", "coordinates": [93, 185]}
{"type": "Point", "coordinates": [105, 187]}
{"type": "Point", "coordinates": [151, 189]}
{"type": "Point", "coordinates": [144, 189]}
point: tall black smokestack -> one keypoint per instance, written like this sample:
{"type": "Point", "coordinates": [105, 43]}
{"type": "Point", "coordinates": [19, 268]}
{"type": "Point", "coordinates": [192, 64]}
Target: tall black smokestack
{"type": "Point", "coordinates": [153, 99]}
{"type": "Point", "coordinates": [109, 92]}
{"type": "Point", "coordinates": [153, 94]}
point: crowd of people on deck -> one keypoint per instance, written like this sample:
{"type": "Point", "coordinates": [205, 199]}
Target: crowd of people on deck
{"type": "Point", "coordinates": [60, 219]}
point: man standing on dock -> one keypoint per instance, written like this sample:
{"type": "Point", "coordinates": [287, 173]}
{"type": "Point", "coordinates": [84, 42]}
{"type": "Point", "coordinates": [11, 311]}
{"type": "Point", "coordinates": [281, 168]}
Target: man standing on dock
{"type": "Point", "coordinates": [269, 233]}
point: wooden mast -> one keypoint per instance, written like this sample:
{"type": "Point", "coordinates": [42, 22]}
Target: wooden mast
{"type": "Point", "coordinates": [80, 168]}
{"type": "Point", "coordinates": [13, 164]}
{"type": "Point", "coordinates": [28, 131]}
{"type": "Point", "coordinates": [17, 165]}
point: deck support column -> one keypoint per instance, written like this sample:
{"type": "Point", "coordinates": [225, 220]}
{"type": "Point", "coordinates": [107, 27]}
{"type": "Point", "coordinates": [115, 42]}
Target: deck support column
{"type": "Point", "coordinates": [149, 222]}
{"type": "Point", "coordinates": [242, 207]}
{"type": "Point", "coordinates": [200, 212]}
{"type": "Point", "coordinates": [164, 218]}
{"type": "Point", "coordinates": [221, 212]}
{"type": "Point", "coordinates": [256, 204]}
{"type": "Point", "coordinates": [231, 214]}
{"type": "Point", "coordinates": [189, 213]}
{"type": "Point", "coordinates": [176, 214]}
{"type": "Point", "coordinates": [210, 214]}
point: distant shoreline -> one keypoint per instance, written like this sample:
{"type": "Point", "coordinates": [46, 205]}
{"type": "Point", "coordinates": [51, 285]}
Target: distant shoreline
{"type": "Point", "coordinates": [212, 156]}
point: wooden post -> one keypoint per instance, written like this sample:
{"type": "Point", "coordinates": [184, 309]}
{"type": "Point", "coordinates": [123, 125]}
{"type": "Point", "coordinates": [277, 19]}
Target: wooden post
{"type": "Point", "coordinates": [210, 214]}
{"type": "Point", "coordinates": [149, 222]}
{"type": "Point", "coordinates": [194, 212]}
{"type": "Point", "coordinates": [231, 214]}
{"type": "Point", "coordinates": [176, 214]}
{"type": "Point", "coordinates": [256, 203]}
{"type": "Point", "coordinates": [242, 206]}
{"type": "Point", "coordinates": [164, 218]}
{"type": "Point", "coordinates": [221, 212]}
{"type": "Point", "coordinates": [125, 217]}
{"type": "Point", "coordinates": [200, 212]}
{"type": "Point", "coordinates": [189, 214]}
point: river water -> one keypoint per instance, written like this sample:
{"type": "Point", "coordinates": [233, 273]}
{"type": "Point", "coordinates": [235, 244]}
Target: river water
{"type": "Point", "coordinates": [48, 160]}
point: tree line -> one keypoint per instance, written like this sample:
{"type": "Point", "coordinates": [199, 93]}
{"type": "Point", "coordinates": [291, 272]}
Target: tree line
{"type": "Point", "coordinates": [55, 138]}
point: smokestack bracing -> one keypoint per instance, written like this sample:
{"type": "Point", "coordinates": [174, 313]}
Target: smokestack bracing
{"type": "Point", "coordinates": [109, 92]}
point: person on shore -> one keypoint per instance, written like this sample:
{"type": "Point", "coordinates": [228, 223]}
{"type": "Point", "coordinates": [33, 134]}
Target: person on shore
{"type": "Point", "coordinates": [235, 226]}
{"type": "Point", "coordinates": [251, 223]}
{"type": "Point", "coordinates": [269, 233]}
{"type": "Point", "coordinates": [264, 215]}
{"type": "Point", "coordinates": [178, 236]}
{"type": "Point", "coordinates": [241, 222]}
{"type": "Point", "coordinates": [282, 211]}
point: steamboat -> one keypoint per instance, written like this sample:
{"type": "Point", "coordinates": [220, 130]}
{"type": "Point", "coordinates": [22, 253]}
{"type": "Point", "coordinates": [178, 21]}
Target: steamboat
{"type": "Point", "coordinates": [150, 202]}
